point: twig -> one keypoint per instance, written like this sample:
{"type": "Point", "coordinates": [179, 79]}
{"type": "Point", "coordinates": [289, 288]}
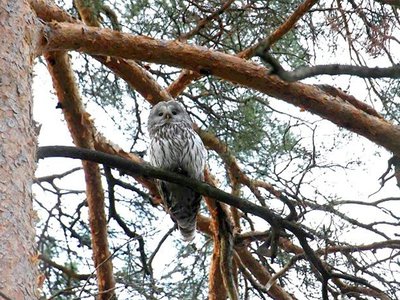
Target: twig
{"type": "Point", "coordinates": [203, 22]}
{"type": "Point", "coordinates": [68, 272]}
{"type": "Point", "coordinates": [113, 213]}
{"type": "Point", "coordinates": [282, 271]}
{"type": "Point", "coordinates": [200, 187]}
{"type": "Point", "coordinates": [151, 258]}
{"type": "Point", "coordinates": [333, 69]}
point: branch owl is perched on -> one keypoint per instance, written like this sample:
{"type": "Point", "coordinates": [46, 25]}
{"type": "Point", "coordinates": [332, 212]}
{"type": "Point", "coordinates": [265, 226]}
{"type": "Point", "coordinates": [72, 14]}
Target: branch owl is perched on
{"type": "Point", "coordinates": [176, 147]}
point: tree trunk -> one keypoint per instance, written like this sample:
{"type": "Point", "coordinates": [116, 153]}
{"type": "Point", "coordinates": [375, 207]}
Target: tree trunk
{"type": "Point", "coordinates": [18, 256]}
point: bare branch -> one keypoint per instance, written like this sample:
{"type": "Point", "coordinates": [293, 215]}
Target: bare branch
{"type": "Point", "coordinates": [234, 69]}
{"type": "Point", "coordinates": [200, 187]}
{"type": "Point", "coordinates": [333, 69]}
{"type": "Point", "coordinates": [66, 271]}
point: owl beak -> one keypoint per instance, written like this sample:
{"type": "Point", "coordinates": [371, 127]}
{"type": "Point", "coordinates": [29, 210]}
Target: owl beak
{"type": "Point", "coordinates": [168, 116]}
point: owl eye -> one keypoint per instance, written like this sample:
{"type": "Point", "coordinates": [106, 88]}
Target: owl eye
{"type": "Point", "coordinates": [174, 112]}
{"type": "Point", "coordinates": [160, 114]}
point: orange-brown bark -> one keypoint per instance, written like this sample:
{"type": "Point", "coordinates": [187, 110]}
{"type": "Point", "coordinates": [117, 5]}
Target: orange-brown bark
{"type": "Point", "coordinates": [261, 274]}
{"type": "Point", "coordinates": [87, 13]}
{"type": "Point", "coordinates": [203, 22]}
{"type": "Point", "coordinates": [351, 99]}
{"type": "Point", "coordinates": [216, 285]}
{"type": "Point", "coordinates": [222, 272]}
{"type": "Point", "coordinates": [301, 10]}
{"type": "Point", "coordinates": [179, 84]}
{"type": "Point", "coordinates": [187, 76]}
{"type": "Point", "coordinates": [106, 42]}
{"type": "Point", "coordinates": [137, 77]}
{"type": "Point", "coordinates": [18, 257]}
{"type": "Point", "coordinates": [217, 289]}
{"type": "Point", "coordinates": [82, 132]}
{"type": "Point", "coordinates": [48, 11]}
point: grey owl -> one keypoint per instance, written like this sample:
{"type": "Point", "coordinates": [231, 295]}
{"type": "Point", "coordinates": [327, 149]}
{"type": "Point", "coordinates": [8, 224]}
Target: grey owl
{"type": "Point", "coordinates": [176, 147]}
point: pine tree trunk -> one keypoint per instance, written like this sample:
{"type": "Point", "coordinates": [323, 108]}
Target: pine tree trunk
{"type": "Point", "coordinates": [18, 256]}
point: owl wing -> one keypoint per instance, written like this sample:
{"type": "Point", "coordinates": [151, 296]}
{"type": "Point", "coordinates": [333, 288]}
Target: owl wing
{"type": "Point", "coordinates": [182, 204]}
{"type": "Point", "coordinates": [182, 153]}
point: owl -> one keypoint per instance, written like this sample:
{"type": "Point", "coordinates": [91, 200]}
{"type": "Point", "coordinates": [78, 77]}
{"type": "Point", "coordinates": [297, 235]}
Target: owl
{"type": "Point", "coordinates": [176, 147]}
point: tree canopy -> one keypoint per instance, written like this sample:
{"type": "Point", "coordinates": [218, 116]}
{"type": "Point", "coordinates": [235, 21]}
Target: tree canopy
{"type": "Point", "coordinates": [297, 103]}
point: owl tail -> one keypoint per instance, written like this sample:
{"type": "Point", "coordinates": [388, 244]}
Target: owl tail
{"type": "Point", "coordinates": [188, 233]}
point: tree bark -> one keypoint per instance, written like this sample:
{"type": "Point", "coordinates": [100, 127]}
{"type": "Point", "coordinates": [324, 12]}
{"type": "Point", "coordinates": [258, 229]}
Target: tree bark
{"type": "Point", "coordinates": [83, 132]}
{"type": "Point", "coordinates": [61, 36]}
{"type": "Point", "coordinates": [18, 256]}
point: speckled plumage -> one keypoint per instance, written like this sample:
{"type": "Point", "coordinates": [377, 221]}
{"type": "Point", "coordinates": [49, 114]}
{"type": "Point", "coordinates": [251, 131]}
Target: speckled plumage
{"type": "Point", "coordinates": [176, 147]}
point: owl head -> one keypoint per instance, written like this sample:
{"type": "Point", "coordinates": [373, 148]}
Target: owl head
{"type": "Point", "coordinates": [171, 112]}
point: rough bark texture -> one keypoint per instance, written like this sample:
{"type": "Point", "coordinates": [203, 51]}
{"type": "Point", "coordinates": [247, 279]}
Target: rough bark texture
{"type": "Point", "coordinates": [137, 77]}
{"type": "Point", "coordinates": [311, 98]}
{"type": "Point", "coordinates": [82, 132]}
{"type": "Point", "coordinates": [18, 257]}
{"type": "Point", "coordinates": [217, 289]}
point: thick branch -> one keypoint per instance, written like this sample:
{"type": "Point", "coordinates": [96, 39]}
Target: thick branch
{"type": "Point", "coordinates": [149, 171]}
{"type": "Point", "coordinates": [200, 187]}
{"type": "Point", "coordinates": [82, 132]}
{"type": "Point", "coordinates": [107, 42]}
{"type": "Point", "coordinates": [138, 78]}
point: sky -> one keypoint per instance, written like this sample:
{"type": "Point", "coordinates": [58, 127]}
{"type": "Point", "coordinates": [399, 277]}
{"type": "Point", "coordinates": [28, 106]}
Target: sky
{"type": "Point", "coordinates": [356, 184]}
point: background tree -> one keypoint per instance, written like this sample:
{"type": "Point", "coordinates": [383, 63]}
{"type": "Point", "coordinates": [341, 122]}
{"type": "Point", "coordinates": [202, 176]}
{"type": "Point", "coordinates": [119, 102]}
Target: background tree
{"type": "Point", "coordinates": [292, 225]}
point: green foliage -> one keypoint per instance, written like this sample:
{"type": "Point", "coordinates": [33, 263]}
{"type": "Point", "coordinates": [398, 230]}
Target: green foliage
{"type": "Point", "coordinates": [250, 128]}
{"type": "Point", "coordinates": [270, 142]}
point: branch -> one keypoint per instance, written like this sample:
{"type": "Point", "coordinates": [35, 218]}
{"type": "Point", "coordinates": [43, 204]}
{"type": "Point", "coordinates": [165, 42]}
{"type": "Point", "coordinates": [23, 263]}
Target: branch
{"type": "Point", "coordinates": [225, 234]}
{"type": "Point", "coordinates": [203, 22]}
{"type": "Point", "coordinates": [246, 261]}
{"type": "Point", "coordinates": [137, 78]}
{"type": "Point", "coordinates": [201, 187]}
{"type": "Point", "coordinates": [82, 132]}
{"type": "Point", "coordinates": [187, 76]}
{"type": "Point", "coordinates": [266, 43]}
{"type": "Point", "coordinates": [333, 69]}
{"type": "Point", "coordinates": [66, 271]}
{"type": "Point", "coordinates": [281, 272]}
{"type": "Point", "coordinates": [107, 42]}
{"type": "Point", "coordinates": [113, 214]}
{"type": "Point", "coordinates": [149, 171]}
{"type": "Point", "coordinates": [153, 255]}
{"type": "Point", "coordinates": [349, 98]}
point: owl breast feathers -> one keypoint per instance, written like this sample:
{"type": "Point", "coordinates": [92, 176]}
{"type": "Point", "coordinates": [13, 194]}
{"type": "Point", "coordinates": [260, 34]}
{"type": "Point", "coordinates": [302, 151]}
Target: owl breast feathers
{"type": "Point", "coordinates": [176, 147]}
